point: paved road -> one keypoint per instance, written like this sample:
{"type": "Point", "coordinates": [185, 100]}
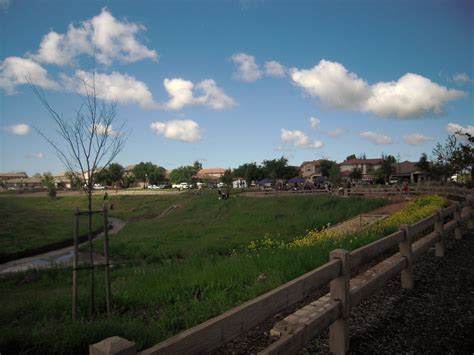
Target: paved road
{"type": "Point", "coordinates": [62, 257]}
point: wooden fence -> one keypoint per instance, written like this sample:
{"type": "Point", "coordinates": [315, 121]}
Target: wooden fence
{"type": "Point", "coordinates": [344, 293]}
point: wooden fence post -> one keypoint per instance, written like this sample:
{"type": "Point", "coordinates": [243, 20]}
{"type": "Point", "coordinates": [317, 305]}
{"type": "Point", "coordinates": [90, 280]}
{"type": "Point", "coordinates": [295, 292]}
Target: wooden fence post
{"type": "Point", "coordinates": [457, 218]}
{"type": "Point", "coordinates": [405, 246]}
{"type": "Point", "coordinates": [438, 227]}
{"type": "Point", "coordinates": [470, 221]}
{"type": "Point", "coordinates": [75, 264]}
{"type": "Point", "coordinates": [107, 259]}
{"type": "Point", "coordinates": [339, 289]}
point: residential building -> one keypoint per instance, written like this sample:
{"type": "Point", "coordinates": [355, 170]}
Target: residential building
{"type": "Point", "coordinates": [407, 171]}
{"type": "Point", "coordinates": [4, 177]}
{"type": "Point", "coordinates": [212, 174]}
{"type": "Point", "coordinates": [25, 183]}
{"type": "Point", "coordinates": [310, 169]}
{"type": "Point", "coordinates": [368, 167]}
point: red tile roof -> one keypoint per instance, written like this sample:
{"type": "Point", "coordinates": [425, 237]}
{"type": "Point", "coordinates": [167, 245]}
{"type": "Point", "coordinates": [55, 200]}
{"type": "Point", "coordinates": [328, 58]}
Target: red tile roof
{"type": "Point", "coordinates": [362, 161]}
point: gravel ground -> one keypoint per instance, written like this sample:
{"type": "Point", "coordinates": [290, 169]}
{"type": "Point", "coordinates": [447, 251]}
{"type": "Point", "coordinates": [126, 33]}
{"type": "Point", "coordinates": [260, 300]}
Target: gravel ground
{"type": "Point", "coordinates": [437, 317]}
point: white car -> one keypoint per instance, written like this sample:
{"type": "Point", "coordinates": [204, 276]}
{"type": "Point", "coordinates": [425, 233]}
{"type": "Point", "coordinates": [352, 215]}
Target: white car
{"type": "Point", "coordinates": [184, 185]}
{"type": "Point", "coordinates": [220, 185]}
{"type": "Point", "coordinates": [153, 187]}
{"type": "Point", "coordinates": [98, 187]}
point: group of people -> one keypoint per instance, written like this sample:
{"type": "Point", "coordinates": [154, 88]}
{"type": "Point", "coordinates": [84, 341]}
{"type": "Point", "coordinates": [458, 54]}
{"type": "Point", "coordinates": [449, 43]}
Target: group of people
{"type": "Point", "coordinates": [223, 195]}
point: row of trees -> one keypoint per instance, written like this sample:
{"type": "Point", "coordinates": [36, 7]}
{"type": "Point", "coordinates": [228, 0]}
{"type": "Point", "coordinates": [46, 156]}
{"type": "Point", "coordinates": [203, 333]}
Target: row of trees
{"type": "Point", "coordinates": [455, 156]}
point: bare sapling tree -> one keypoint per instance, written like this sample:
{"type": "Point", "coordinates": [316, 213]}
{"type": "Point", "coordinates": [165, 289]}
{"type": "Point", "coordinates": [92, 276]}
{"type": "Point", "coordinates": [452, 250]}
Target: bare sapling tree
{"type": "Point", "coordinates": [85, 144]}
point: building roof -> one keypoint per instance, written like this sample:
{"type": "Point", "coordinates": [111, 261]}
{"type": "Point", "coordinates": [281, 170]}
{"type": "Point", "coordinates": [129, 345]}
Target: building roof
{"type": "Point", "coordinates": [31, 180]}
{"type": "Point", "coordinates": [315, 162]}
{"type": "Point", "coordinates": [357, 161]}
{"type": "Point", "coordinates": [405, 167]}
{"type": "Point", "coordinates": [211, 171]}
{"type": "Point", "coordinates": [13, 175]}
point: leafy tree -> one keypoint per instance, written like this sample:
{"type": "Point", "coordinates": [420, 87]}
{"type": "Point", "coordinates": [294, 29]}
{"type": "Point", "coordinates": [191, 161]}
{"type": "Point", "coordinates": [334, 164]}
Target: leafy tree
{"type": "Point", "coordinates": [197, 165]}
{"type": "Point", "coordinates": [386, 167]}
{"type": "Point", "coordinates": [442, 166]}
{"type": "Point", "coordinates": [325, 166]}
{"type": "Point", "coordinates": [462, 158]}
{"type": "Point", "coordinates": [48, 182]}
{"type": "Point", "coordinates": [143, 170]}
{"type": "Point", "coordinates": [356, 174]}
{"type": "Point", "coordinates": [183, 174]}
{"type": "Point", "coordinates": [250, 172]}
{"type": "Point", "coordinates": [156, 175]}
{"type": "Point", "coordinates": [335, 173]}
{"type": "Point", "coordinates": [227, 177]}
{"type": "Point", "coordinates": [352, 156]}
{"type": "Point", "coordinates": [115, 172]}
{"type": "Point", "coordinates": [279, 169]}
{"type": "Point", "coordinates": [423, 164]}
{"type": "Point", "coordinates": [362, 156]}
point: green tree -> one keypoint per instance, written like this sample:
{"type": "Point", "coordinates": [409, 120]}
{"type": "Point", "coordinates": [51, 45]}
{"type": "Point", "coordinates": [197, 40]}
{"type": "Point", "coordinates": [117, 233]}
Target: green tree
{"type": "Point", "coordinates": [228, 177]}
{"type": "Point", "coordinates": [325, 166]}
{"type": "Point", "coordinates": [356, 174]}
{"type": "Point", "coordinates": [442, 165]}
{"type": "Point", "coordinates": [183, 174]}
{"type": "Point", "coordinates": [143, 170]}
{"type": "Point", "coordinates": [115, 172]}
{"type": "Point", "coordinates": [462, 158]}
{"type": "Point", "coordinates": [197, 165]}
{"type": "Point", "coordinates": [352, 156]}
{"type": "Point", "coordinates": [277, 169]}
{"type": "Point", "coordinates": [250, 172]}
{"type": "Point", "coordinates": [335, 173]}
{"type": "Point", "coordinates": [386, 167]}
{"type": "Point", "coordinates": [48, 182]}
{"type": "Point", "coordinates": [423, 164]}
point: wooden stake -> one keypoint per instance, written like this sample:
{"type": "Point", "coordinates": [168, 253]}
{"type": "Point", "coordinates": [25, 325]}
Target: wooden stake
{"type": "Point", "coordinates": [75, 264]}
{"type": "Point", "coordinates": [438, 227]}
{"type": "Point", "coordinates": [107, 261]}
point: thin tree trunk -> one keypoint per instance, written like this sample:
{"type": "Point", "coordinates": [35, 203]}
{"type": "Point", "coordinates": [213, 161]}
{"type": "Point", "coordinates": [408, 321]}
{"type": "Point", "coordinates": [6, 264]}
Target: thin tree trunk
{"type": "Point", "coordinates": [91, 256]}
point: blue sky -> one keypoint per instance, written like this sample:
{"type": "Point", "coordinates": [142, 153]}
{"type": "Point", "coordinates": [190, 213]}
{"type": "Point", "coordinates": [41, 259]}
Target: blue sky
{"type": "Point", "coordinates": [229, 82]}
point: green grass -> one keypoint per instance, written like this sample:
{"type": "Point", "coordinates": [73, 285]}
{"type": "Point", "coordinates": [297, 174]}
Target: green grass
{"type": "Point", "coordinates": [155, 300]}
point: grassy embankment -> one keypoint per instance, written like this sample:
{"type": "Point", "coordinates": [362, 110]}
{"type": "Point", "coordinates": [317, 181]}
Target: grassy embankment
{"type": "Point", "coordinates": [155, 300]}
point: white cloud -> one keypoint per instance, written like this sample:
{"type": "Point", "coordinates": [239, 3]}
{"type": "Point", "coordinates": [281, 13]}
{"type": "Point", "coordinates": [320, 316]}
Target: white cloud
{"type": "Point", "coordinates": [111, 38]}
{"type": "Point", "coordinates": [376, 138]}
{"type": "Point", "coordinates": [275, 69]}
{"type": "Point", "coordinates": [416, 138]}
{"type": "Point", "coordinates": [314, 122]}
{"type": "Point", "coordinates": [4, 5]}
{"type": "Point", "coordinates": [333, 84]}
{"type": "Point", "coordinates": [183, 130]}
{"type": "Point", "coordinates": [412, 95]}
{"type": "Point", "coordinates": [102, 130]}
{"type": "Point", "coordinates": [247, 70]}
{"type": "Point", "coordinates": [461, 78]}
{"type": "Point", "coordinates": [299, 139]}
{"type": "Point", "coordinates": [38, 155]}
{"type": "Point", "coordinates": [453, 128]}
{"type": "Point", "coordinates": [115, 86]}
{"type": "Point", "coordinates": [182, 94]}
{"type": "Point", "coordinates": [17, 71]}
{"type": "Point", "coordinates": [20, 129]}
{"type": "Point", "coordinates": [337, 132]}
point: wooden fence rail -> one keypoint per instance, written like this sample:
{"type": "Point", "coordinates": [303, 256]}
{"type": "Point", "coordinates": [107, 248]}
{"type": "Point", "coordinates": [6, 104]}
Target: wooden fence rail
{"type": "Point", "coordinates": [331, 312]}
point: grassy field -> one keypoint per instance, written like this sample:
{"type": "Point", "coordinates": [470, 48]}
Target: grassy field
{"type": "Point", "coordinates": [183, 280]}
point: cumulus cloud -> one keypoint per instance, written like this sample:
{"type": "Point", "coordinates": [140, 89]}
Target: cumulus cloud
{"type": "Point", "coordinates": [111, 38]}
{"type": "Point", "coordinates": [20, 129]}
{"type": "Point", "coordinates": [410, 96]}
{"type": "Point", "coordinates": [416, 138]}
{"type": "Point", "coordinates": [17, 71]}
{"type": "Point", "coordinates": [182, 94]}
{"type": "Point", "coordinates": [102, 130]}
{"type": "Point", "coordinates": [299, 139]}
{"type": "Point", "coordinates": [118, 87]}
{"type": "Point", "coordinates": [314, 122]}
{"type": "Point", "coordinates": [337, 132]}
{"type": "Point", "coordinates": [376, 138]}
{"type": "Point", "coordinates": [183, 130]}
{"type": "Point", "coordinates": [275, 69]}
{"type": "Point", "coordinates": [461, 78]}
{"type": "Point", "coordinates": [247, 68]}
{"type": "Point", "coordinates": [454, 128]}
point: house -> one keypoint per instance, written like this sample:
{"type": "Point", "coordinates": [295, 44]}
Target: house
{"type": "Point", "coordinates": [310, 169]}
{"type": "Point", "coordinates": [368, 167]}
{"type": "Point", "coordinates": [407, 171]}
{"type": "Point", "coordinates": [128, 170]}
{"type": "Point", "coordinates": [4, 177]}
{"type": "Point", "coordinates": [25, 183]}
{"type": "Point", "coordinates": [211, 174]}
{"type": "Point", "coordinates": [239, 183]}
{"type": "Point", "coordinates": [63, 180]}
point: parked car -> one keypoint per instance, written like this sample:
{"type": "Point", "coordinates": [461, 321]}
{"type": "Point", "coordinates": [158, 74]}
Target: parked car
{"type": "Point", "coordinates": [153, 187]}
{"type": "Point", "coordinates": [164, 186]}
{"type": "Point", "coordinates": [184, 185]}
{"type": "Point", "coordinates": [98, 187]}
{"type": "Point", "coordinates": [220, 185]}
{"type": "Point", "coordinates": [393, 181]}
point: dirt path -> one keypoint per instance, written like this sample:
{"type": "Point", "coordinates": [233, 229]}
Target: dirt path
{"type": "Point", "coordinates": [54, 258]}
